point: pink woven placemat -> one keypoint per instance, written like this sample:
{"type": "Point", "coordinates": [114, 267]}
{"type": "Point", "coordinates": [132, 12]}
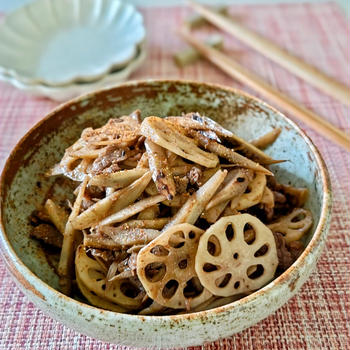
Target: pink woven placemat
{"type": "Point", "coordinates": [318, 316]}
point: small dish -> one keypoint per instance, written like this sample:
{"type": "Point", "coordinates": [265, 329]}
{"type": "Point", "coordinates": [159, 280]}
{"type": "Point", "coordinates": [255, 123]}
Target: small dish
{"type": "Point", "coordinates": [59, 42]}
{"type": "Point", "coordinates": [23, 185]}
{"type": "Point", "coordinates": [66, 92]}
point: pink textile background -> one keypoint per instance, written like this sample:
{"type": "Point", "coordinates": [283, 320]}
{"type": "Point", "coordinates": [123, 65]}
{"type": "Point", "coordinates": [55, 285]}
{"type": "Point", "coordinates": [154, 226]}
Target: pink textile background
{"type": "Point", "coordinates": [318, 316]}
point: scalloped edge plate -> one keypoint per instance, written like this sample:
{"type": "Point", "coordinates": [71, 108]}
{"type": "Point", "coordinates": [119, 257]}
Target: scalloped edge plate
{"type": "Point", "coordinates": [66, 92]}
{"type": "Point", "coordinates": [68, 41]}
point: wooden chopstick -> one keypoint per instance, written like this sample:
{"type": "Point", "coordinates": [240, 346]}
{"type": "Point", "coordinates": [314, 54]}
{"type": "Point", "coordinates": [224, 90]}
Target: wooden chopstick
{"type": "Point", "coordinates": [240, 73]}
{"type": "Point", "coordinates": [294, 64]}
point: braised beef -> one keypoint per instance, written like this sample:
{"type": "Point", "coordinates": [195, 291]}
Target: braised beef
{"type": "Point", "coordinates": [287, 253]}
{"type": "Point", "coordinates": [47, 234]}
{"type": "Point", "coordinates": [109, 159]}
{"type": "Point", "coordinates": [181, 183]}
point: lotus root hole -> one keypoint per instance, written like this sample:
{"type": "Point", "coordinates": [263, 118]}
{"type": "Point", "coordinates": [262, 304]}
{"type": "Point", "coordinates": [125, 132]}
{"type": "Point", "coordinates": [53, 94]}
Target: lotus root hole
{"type": "Point", "coordinates": [182, 264]}
{"type": "Point", "coordinates": [129, 290]}
{"type": "Point", "coordinates": [249, 234]}
{"type": "Point", "coordinates": [155, 271]}
{"type": "Point", "coordinates": [96, 275]}
{"type": "Point", "coordinates": [207, 267]}
{"type": "Point", "coordinates": [237, 284]}
{"type": "Point", "coordinates": [159, 250]}
{"type": "Point", "coordinates": [193, 288]}
{"type": "Point", "coordinates": [299, 217]}
{"type": "Point", "coordinates": [261, 251]}
{"type": "Point", "coordinates": [191, 235]}
{"type": "Point", "coordinates": [222, 282]}
{"type": "Point", "coordinates": [257, 273]}
{"type": "Point", "coordinates": [170, 289]}
{"type": "Point", "coordinates": [177, 239]}
{"type": "Point", "coordinates": [229, 232]}
{"type": "Point", "coordinates": [248, 189]}
{"type": "Point", "coordinates": [213, 246]}
{"type": "Point", "coordinates": [235, 256]}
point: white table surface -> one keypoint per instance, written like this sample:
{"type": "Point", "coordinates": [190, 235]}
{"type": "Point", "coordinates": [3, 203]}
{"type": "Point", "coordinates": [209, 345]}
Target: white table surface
{"type": "Point", "coordinates": [9, 5]}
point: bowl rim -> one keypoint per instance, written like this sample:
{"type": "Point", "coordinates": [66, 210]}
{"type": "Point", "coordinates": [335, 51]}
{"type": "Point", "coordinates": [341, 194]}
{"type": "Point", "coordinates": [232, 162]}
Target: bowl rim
{"type": "Point", "coordinates": [11, 258]}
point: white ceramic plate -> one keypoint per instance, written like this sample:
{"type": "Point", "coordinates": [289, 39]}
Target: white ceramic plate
{"type": "Point", "coordinates": [59, 42]}
{"type": "Point", "coordinates": [66, 92]}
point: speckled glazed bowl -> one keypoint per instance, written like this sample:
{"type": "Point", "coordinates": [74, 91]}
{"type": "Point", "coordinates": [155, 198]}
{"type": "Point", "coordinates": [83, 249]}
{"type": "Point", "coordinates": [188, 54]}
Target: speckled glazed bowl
{"type": "Point", "coordinates": [23, 187]}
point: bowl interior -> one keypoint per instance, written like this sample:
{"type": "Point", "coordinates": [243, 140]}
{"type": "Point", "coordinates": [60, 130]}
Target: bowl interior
{"type": "Point", "coordinates": [24, 185]}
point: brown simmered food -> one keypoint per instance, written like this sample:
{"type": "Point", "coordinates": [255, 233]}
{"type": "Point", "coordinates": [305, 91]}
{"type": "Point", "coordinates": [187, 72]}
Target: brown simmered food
{"type": "Point", "coordinates": [171, 215]}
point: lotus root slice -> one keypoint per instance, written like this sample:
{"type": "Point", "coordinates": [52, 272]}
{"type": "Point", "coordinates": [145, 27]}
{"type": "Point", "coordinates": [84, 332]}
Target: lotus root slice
{"type": "Point", "coordinates": [165, 268]}
{"type": "Point", "coordinates": [91, 275]}
{"type": "Point", "coordinates": [294, 225]}
{"type": "Point", "coordinates": [98, 301]}
{"type": "Point", "coordinates": [236, 255]}
{"type": "Point", "coordinates": [254, 192]}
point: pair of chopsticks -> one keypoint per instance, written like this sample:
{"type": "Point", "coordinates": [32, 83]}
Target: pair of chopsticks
{"type": "Point", "coordinates": [294, 64]}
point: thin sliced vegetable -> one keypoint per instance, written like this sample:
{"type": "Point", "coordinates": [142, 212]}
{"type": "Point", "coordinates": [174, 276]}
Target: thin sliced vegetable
{"type": "Point", "coordinates": [192, 209]}
{"type": "Point", "coordinates": [166, 135]}
{"type": "Point", "coordinates": [113, 203]}
{"type": "Point", "coordinates": [161, 174]}
{"type": "Point", "coordinates": [131, 210]}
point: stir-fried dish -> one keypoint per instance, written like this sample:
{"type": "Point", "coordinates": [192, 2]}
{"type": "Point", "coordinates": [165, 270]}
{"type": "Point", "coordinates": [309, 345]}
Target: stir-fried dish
{"type": "Point", "coordinates": [170, 215]}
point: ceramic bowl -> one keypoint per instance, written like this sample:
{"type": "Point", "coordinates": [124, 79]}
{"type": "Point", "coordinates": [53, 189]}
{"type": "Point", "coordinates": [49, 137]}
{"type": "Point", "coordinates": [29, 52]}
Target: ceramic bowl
{"type": "Point", "coordinates": [23, 188]}
{"type": "Point", "coordinates": [57, 42]}
{"type": "Point", "coordinates": [74, 89]}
